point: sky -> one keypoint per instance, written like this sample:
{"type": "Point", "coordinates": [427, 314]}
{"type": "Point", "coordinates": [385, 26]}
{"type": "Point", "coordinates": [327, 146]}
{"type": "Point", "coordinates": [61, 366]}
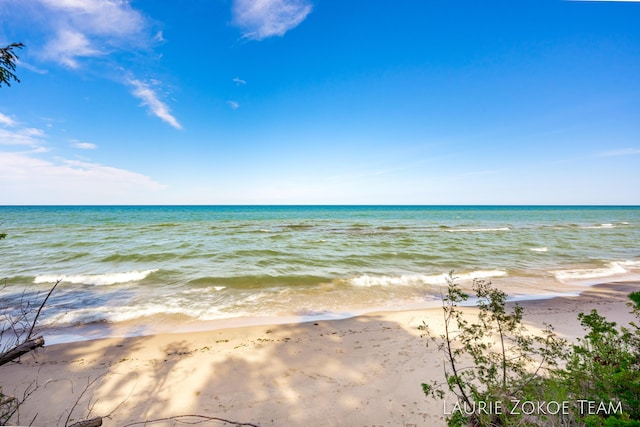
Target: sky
{"type": "Point", "coordinates": [321, 102]}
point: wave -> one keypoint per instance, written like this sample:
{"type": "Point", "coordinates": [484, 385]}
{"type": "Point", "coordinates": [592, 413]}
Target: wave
{"type": "Point", "coordinates": [367, 280]}
{"type": "Point", "coordinates": [142, 258]}
{"type": "Point", "coordinates": [127, 313]}
{"type": "Point", "coordinates": [192, 304]}
{"type": "Point", "coordinates": [258, 281]}
{"type": "Point", "coordinates": [630, 264]}
{"type": "Point", "coordinates": [96, 279]}
{"type": "Point", "coordinates": [542, 249]}
{"type": "Point", "coordinates": [606, 225]}
{"type": "Point", "coordinates": [477, 230]}
{"type": "Point", "coordinates": [590, 273]}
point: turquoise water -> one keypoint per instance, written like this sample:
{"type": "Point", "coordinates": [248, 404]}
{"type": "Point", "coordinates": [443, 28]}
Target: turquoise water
{"type": "Point", "coordinates": [204, 263]}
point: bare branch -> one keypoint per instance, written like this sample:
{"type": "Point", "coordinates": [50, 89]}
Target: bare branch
{"type": "Point", "coordinates": [35, 320]}
{"type": "Point", "coordinates": [89, 384]}
{"type": "Point", "coordinates": [199, 418]}
{"type": "Point", "coordinates": [94, 422]}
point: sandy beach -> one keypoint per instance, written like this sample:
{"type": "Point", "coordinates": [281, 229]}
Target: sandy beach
{"type": "Point", "coordinates": [364, 371]}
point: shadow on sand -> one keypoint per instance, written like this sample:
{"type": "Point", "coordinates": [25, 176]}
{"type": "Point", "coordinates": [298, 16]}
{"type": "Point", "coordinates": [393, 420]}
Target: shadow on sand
{"type": "Point", "coordinates": [362, 372]}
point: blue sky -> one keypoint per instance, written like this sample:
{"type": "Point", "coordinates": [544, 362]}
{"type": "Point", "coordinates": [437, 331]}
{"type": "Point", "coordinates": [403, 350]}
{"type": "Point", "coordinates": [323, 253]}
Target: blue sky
{"type": "Point", "coordinates": [321, 102]}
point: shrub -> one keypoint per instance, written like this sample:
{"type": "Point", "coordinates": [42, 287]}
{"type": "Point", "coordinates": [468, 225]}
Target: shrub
{"type": "Point", "coordinates": [508, 364]}
{"type": "Point", "coordinates": [493, 362]}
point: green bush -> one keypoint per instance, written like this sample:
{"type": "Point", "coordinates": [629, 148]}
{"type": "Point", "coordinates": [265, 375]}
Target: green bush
{"type": "Point", "coordinates": [494, 358]}
{"type": "Point", "coordinates": [604, 365]}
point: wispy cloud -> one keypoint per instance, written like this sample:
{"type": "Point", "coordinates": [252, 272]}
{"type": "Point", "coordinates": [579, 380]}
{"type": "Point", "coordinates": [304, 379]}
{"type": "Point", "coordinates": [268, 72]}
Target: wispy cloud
{"type": "Point", "coordinates": [6, 120]}
{"type": "Point", "coordinates": [233, 104]}
{"type": "Point", "coordinates": [14, 133]}
{"type": "Point", "coordinates": [67, 46]}
{"type": "Point", "coordinates": [28, 137]}
{"type": "Point", "coordinates": [150, 99]}
{"type": "Point", "coordinates": [99, 16]}
{"type": "Point", "coordinates": [620, 152]}
{"type": "Point", "coordinates": [260, 19]}
{"type": "Point", "coordinates": [84, 145]}
{"type": "Point", "coordinates": [77, 32]}
{"type": "Point", "coordinates": [29, 175]}
{"type": "Point", "coordinates": [239, 81]}
{"type": "Point", "coordinates": [29, 179]}
{"type": "Point", "coordinates": [32, 68]}
{"type": "Point", "coordinates": [87, 28]}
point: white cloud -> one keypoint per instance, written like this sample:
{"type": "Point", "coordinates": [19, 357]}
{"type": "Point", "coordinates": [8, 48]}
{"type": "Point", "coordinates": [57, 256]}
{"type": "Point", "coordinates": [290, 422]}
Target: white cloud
{"type": "Point", "coordinates": [239, 81]}
{"type": "Point", "coordinates": [84, 145]}
{"type": "Point", "coordinates": [12, 133]}
{"type": "Point", "coordinates": [86, 28]}
{"type": "Point", "coordinates": [67, 46]}
{"type": "Point", "coordinates": [78, 30]}
{"type": "Point", "coordinates": [101, 17]}
{"type": "Point", "coordinates": [6, 120]}
{"type": "Point", "coordinates": [150, 99]}
{"type": "Point", "coordinates": [26, 179]}
{"type": "Point", "coordinates": [233, 104]}
{"type": "Point", "coordinates": [260, 19]}
{"type": "Point", "coordinates": [30, 137]}
{"type": "Point", "coordinates": [32, 68]}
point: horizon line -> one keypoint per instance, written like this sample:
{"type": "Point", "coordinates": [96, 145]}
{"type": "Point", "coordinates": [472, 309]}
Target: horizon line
{"type": "Point", "coordinates": [326, 205]}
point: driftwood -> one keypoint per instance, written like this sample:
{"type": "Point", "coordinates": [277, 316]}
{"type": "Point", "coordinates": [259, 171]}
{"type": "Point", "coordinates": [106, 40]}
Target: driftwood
{"type": "Point", "coordinates": [31, 344]}
{"type": "Point", "coordinates": [21, 349]}
{"type": "Point", "coordinates": [94, 422]}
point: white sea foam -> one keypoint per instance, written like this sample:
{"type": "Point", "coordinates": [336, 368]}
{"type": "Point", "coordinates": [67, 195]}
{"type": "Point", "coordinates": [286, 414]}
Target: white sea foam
{"type": "Point", "coordinates": [95, 279]}
{"type": "Point", "coordinates": [477, 230]}
{"type": "Point", "coordinates": [590, 273]}
{"type": "Point", "coordinates": [542, 249]}
{"type": "Point", "coordinates": [132, 312]}
{"type": "Point", "coordinates": [630, 264]}
{"type": "Point", "coordinates": [607, 225]}
{"type": "Point", "coordinates": [203, 290]}
{"type": "Point", "coordinates": [367, 280]}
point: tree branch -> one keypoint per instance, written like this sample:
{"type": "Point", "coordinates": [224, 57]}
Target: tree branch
{"type": "Point", "coordinates": [200, 417]}
{"type": "Point", "coordinates": [35, 320]}
{"type": "Point", "coordinates": [94, 422]}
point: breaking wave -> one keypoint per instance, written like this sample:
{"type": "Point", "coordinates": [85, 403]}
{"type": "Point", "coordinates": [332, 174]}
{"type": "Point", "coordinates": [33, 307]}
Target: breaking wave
{"type": "Point", "coordinates": [367, 280]}
{"type": "Point", "coordinates": [96, 279]}
{"type": "Point", "coordinates": [613, 269]}
{"type": "Point", "coordinates": [477, 230]}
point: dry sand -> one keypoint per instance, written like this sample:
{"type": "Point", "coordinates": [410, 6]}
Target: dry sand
{"type": "Point", "coordinates": [363, 371]}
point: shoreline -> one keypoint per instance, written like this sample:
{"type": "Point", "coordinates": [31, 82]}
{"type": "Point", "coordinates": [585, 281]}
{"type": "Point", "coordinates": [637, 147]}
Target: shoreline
{"type": "Point", "coordinates": [170, 323]}
{"type": "Point", "coordinates": [356, 371]}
